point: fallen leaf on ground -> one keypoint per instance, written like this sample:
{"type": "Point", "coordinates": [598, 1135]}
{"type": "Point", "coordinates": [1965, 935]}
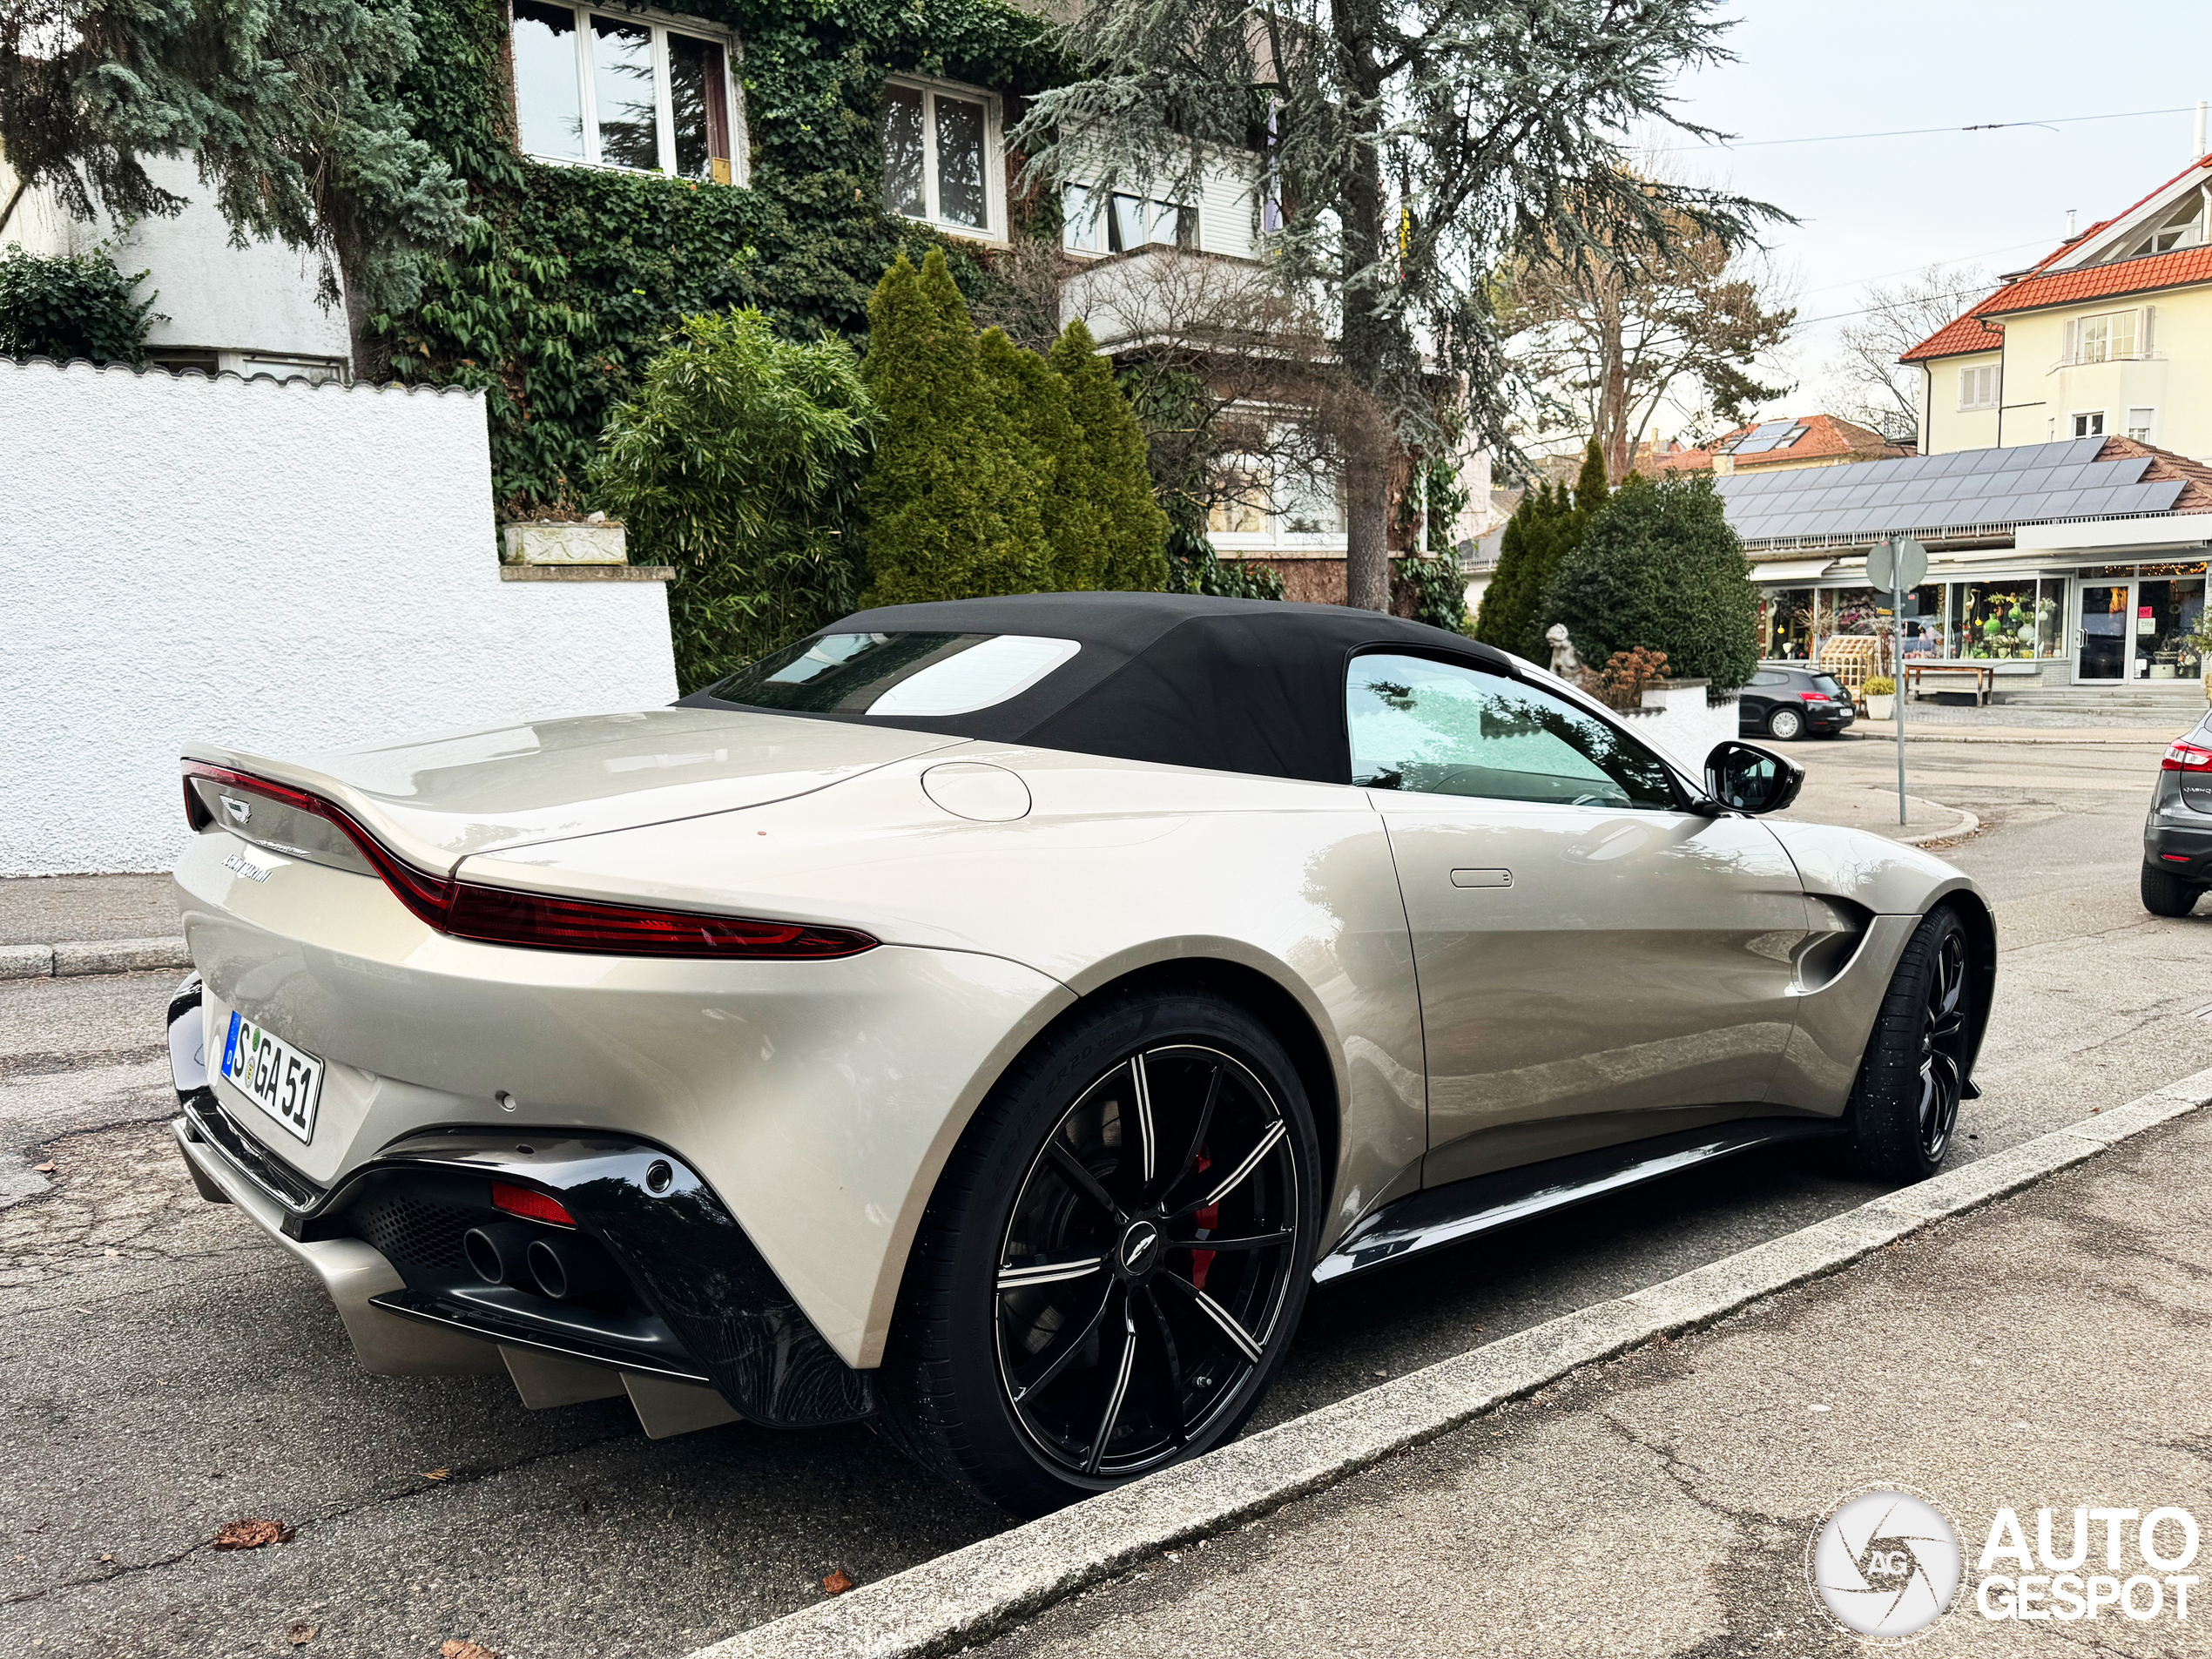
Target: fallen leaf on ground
{"type": "Point", "coordinates": [252, 1534]}
{"type": "Point", "coordinates": [43, 1169]}
{"type": "Point", "coordinates": [301, 1633]}
{"type": "Point", "coordinates": [456, 1648]}
{"type": "Point", "coordinates": [437, 1475]}
{"type": "Point", "coordinates": [838, 1583]}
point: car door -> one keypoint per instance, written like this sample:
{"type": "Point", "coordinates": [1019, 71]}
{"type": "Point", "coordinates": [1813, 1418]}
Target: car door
{"type": "Point", "coordinates": [1596, 962]}
{"type": "Point", "coordinates": [1756, 700]}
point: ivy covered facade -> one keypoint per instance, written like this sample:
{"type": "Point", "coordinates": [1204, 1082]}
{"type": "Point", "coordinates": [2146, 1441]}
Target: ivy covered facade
{"type": "Point", "coordinates": [577, 267]}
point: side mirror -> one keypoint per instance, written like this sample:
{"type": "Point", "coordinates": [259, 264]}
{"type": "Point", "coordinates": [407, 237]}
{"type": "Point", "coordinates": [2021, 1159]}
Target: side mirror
{"type": "Point", "coordinates": [1751, 780]}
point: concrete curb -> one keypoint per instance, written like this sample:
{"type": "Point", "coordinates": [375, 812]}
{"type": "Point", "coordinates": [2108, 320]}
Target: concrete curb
{"type": "Point", "coordinates": [91, 956]}
{"type": "Point", "coordinates": [973, 1594]}
{"type": "Point", "coordinates": [1968, 824]}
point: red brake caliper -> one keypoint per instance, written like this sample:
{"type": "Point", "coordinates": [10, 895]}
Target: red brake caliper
{"type": "Point", "coordinates": [1207, 1220]}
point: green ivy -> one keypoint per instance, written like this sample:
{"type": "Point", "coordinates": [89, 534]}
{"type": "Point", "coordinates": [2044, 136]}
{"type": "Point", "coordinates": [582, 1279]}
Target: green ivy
{"type": "Point", "coordinates": [573, 278]}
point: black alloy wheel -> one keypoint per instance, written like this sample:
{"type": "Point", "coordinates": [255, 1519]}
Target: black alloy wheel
{"type": "Point", "coordinates": [1143, 1270]}
{"type": "Point", "coordinates": [1904, 1106]}
{"type": "Point", "coordinates": [1110, 1271]}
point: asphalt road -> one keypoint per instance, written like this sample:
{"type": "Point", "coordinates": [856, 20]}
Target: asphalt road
{"type": "Point", "coordinates": [164, 1371]}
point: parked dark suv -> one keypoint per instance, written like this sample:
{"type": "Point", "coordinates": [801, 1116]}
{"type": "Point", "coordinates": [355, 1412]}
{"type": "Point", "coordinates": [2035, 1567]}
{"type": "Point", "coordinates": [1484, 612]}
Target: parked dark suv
{"type": "Point", "coordinates": [1786, 702]}
{"type": "Point", "coordinates": [2177, 836]}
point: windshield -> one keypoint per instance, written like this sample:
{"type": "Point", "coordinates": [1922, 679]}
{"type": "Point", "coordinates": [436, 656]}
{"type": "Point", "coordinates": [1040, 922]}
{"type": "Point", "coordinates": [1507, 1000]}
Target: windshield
{"type": "Point", "coordinates": [894, 675]}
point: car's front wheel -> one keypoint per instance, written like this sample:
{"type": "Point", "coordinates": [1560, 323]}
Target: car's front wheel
{"type": "Point", "coordinates": [1904, 1107]}
{"type": "Point", "coordinates": [1785, 724]}
{"type": "Point", "coordinates": [2167, 894]}
{"type": "Point", "coordinates": [1109, 1273]}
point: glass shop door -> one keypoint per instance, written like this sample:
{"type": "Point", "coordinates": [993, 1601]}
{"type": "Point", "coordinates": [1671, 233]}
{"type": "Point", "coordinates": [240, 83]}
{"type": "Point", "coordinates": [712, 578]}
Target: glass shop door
{"type": "Point", "coordinates": [2104, 636]}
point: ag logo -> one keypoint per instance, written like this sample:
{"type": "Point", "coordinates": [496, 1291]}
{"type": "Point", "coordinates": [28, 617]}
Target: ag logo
{"type": "Point", "coordinates": [1885, 1563]}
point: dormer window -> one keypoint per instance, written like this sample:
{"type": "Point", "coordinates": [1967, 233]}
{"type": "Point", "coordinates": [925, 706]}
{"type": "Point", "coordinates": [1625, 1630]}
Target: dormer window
{"type": "Point", "coordinates": [2182, 227]}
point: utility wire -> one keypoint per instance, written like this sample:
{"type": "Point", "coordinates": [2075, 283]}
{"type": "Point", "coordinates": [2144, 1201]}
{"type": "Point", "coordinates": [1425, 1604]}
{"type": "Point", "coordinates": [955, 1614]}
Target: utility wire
{"type": "Point", "coordinates": [1919, 132]}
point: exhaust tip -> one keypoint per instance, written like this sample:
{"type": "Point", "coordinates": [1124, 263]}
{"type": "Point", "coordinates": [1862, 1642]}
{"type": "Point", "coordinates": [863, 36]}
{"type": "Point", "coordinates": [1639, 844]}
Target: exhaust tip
{"type": "Point", "coordinates": [550, 1272]}
{"type": "Point", "coordinates": [495, 1254]}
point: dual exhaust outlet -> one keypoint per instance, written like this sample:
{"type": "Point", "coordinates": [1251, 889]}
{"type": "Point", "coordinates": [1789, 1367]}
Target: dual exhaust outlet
{"type": "Point", "coordinates": [507, 1252]}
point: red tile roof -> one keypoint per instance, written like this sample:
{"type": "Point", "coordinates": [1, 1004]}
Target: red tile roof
{"type": "Point", "coordinates": [2165, 466]}
{"type": "Point", "coordinates": [1825, 436]}
{"type": "Point", "coordinates": [2038, 285]}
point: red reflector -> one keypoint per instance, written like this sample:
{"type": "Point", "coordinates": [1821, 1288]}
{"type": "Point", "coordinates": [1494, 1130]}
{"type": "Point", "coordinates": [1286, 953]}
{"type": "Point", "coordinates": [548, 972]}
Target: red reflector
{"type": "Point", "coordinates": [530, 1203]}
{"type": "Point", "coordinates": [2175, 858]}
{"type": "Point", "coordinates": [2187, 757]}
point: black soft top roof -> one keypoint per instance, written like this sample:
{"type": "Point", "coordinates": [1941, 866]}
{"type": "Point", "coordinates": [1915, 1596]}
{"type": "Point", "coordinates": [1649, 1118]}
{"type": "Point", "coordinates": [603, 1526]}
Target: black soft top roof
{"type": "Point", "coordinates": [1233, 685]}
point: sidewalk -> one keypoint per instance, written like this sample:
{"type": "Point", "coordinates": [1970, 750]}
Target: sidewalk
{"type": "Point", "coordinates": [1871, 807]}
{"type": "Point", "coordinates": [65, 925]}
{"type": "Point", "coordinates": [1918, 729]}
{"type": "Point", "coordinates": [2044, 1351]}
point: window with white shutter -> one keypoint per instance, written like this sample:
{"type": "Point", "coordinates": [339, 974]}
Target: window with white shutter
{"type": "Point", "coordinates": [2142, 423]}
{"type": "Point", "coordinates": [1978, 386]}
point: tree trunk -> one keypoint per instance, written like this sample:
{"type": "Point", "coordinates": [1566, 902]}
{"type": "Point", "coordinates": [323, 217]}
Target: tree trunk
{"type": "Point", "coordinates": [1364, 438]}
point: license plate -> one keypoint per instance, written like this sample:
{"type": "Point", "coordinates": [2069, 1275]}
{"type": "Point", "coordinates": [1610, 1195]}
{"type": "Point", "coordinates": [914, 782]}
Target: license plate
{"type": "Point", "coordinates": [284, 1081]}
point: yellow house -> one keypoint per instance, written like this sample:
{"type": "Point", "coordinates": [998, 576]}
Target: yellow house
{"type": "Point", "coordinates": [2110, 336]}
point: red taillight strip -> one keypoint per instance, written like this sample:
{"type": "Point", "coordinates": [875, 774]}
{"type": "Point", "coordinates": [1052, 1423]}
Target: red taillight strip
{"type": "Point", "coordinates": [528, 1200]}
{"type": "Point", "coordinates": [2185, 756]}
{"type": "Point", "coordinates": [539, 921]}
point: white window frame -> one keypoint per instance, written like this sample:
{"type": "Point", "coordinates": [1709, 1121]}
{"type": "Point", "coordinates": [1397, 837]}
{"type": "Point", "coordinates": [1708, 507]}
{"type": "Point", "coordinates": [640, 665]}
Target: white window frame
{"type": "Point", "coordinates": [2137, 337]}
{"type": "Point", "coordinates": [2149, 426]}
{"type": "Point", "coordinates": [2098, 416]}
{"type": "Point", "coordinates": [662, 24]}
{"type": "Point", "coordinates": [1100, 220]}
{"type": "Point", "coordinates": [1984, 373]}
{"type": "Point", "coordinates": [993, 230]}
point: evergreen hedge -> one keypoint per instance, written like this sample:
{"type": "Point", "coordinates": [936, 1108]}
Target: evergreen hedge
{"type": "Point", "coordinates": [1544, 529]}
{"type": "Point", "coordinates": [1659, 568]}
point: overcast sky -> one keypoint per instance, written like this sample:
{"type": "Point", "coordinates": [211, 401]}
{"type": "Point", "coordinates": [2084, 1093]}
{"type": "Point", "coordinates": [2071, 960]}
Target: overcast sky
{"type": "Point", "coordinates": [1874, 208]}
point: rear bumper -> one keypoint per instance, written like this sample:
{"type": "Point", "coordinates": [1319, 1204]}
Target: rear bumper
{"type": "Point", "coordinates": [2179, 848]}
{"type": "Point", "coordinates": [691, 1301]}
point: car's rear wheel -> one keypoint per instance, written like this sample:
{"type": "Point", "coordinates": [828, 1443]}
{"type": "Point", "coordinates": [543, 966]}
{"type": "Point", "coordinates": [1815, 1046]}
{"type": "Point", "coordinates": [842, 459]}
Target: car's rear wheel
{"type": "Point", "coordinates": [2167, 894]}
{"type": "Point", "coordinates": [1904, 1107]}
{"type": "Point", "coordinates": [1109, 1273]}
{"type": "Point", "coordinates": [1785, 724]}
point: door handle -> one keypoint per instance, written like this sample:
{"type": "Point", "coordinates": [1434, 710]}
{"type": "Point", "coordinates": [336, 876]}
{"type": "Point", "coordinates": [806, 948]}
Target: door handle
{"type": "Point", "coordinates": [1482, 878]}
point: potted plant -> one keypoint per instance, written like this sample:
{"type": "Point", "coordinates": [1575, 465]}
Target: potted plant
{"type": "Point", "coordinates": [1881, 697]}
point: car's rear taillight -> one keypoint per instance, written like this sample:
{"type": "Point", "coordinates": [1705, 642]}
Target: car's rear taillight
{"type": "Point", "coordinates": [1815, 697]}
{"type": "Point", "coordinates": [2185, 756]}
{"type": "Point", "coordinates": [539, 921]}
{"type": "Point", "coordinates": [530, 1203]}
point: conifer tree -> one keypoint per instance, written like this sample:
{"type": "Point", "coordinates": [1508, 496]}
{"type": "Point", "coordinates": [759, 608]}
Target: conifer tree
{"type": "Point", "coordinates": [1134, 530]}
{"type": "Point", "coordinates": [952, 510]}
{"type": "Point", "coordinates": [1030, 401]}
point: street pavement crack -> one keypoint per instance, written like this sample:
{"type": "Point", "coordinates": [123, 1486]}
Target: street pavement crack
{"type": "Point", "coordinates": [457, 1479]}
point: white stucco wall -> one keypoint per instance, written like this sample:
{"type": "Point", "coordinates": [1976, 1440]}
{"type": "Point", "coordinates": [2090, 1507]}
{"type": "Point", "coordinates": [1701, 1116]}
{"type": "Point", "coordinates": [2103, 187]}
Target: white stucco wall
{"type": "Point", "coordinates": [284, 567]}
{"type": "Point", "coordinates": [1685, 722]}
{"type": "Point", "coordinates": [257, 302]}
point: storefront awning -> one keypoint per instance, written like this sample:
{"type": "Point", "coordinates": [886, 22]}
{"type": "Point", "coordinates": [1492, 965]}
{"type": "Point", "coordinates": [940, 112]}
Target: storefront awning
{"type": "Point", "coordinates": [1791, 569]}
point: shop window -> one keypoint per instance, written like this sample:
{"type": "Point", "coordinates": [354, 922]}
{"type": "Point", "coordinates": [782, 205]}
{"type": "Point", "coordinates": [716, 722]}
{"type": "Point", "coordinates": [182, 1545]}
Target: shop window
{"type": "Point", "coordinates": [2013, 618]}
{"type": "Point", "coordinates": [940, 156]}
{"type": "Point", "coordinates": [2170, 613]}
{"type": "Point", "coordinates": [1785, 625]}
{"type": "Point", "coordinates": [620, 92]}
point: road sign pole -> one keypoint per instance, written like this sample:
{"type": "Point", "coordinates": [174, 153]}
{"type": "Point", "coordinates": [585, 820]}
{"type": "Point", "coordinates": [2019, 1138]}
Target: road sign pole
{"type": "Point", "coordinates": [1896, 616]}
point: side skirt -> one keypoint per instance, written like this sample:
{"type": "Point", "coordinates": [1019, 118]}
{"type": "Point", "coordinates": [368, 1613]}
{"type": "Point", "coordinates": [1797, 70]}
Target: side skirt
{"type": "Point", "coordinates": [1483, 1203]}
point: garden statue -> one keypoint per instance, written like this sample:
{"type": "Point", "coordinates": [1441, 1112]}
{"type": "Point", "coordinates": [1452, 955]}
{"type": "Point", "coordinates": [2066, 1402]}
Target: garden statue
{"type": "Point", "coordinates": [1565, 663]}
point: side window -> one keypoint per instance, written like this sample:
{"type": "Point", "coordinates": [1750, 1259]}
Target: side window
{"type": "Point", "coordinates": [1769, 677]}
{"type": "Point", "coordinates": [1440, 729]}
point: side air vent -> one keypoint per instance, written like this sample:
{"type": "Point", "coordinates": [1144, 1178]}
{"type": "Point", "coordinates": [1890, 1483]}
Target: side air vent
{"type": "Point", "coordinates": [1836, 926]}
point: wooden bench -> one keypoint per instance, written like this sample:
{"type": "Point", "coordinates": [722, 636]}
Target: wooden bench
{"type": "Point", "coordinates": [1927, 679]}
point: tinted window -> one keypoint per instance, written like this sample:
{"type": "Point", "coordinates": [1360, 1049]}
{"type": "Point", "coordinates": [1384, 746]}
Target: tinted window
{"type": "Point", "coordinates": [1769, 678]}
{"type": "Point", "coordinates": [1827, 683]}
{"type": "Point", "coordinates": [895, 675]}
{"type": "Point", "coordinates": [1444, 729]}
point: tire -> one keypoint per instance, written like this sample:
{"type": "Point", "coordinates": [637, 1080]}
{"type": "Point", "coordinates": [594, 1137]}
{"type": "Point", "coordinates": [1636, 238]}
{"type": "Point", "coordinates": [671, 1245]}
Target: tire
{"type": "Point", "coordinates": [2167, 894]}
{"type": "Point", "coordinates": [1785, 725]}
{"type": "Point", "coordinates": [1039, 1227]}
{"type": "Point", "coordinates": [1905, 1105]}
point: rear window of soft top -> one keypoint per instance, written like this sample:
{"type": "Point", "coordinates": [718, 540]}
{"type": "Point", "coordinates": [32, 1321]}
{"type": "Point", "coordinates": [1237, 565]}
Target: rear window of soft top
{"type": "Point", "coordinates": [891, 676]}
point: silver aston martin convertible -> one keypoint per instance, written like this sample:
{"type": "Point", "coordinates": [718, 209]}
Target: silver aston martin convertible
{"type": "Point", "coordinates": [992, 1018]}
